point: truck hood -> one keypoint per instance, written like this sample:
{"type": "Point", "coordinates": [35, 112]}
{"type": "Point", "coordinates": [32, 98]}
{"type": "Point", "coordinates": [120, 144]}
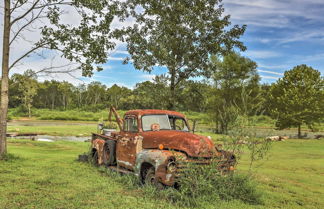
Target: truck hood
{"type": "Point", "coordinates": [192, 144]}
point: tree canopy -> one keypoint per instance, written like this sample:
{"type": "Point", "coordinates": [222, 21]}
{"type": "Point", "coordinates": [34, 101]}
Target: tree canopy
{"type": "Point", "coordinates": [236, 89]}
{"type": "Point", "coordinates": [297, 98]}
{"type": "Point", "coordinates": [178, 34]}
{"type": "Point", "coordinates": [86, 44]}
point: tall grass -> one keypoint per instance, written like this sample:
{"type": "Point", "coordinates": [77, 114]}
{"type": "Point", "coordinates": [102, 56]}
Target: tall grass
{"type": "Point", "coordinates": [72, 115]}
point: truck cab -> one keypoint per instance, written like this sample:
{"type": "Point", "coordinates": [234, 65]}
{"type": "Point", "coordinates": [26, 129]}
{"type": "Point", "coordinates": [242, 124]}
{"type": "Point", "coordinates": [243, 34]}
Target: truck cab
{"type": "Point", "coordinates": [153, 144]}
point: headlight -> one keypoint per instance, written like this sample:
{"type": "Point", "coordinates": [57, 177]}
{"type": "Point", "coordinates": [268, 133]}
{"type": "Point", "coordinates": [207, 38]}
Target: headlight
{"type": "Point", "coordinates": [172, 167]}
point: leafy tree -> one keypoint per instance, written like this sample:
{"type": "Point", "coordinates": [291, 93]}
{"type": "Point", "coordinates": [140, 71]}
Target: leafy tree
{"type": "Point", "coordinates": [150, 95]}
{"type": "Point", "coordinates": [85, 44]}
{"type": "Point", "coordinates": [297, 98]}
{"type": "Point", "coordinates": [178, 34]}
{"type": "Point", "coordinates": [66, 91]}
{"type": "Point", "coordinates": [116, 94]}
{"type": "Point", "coordinates": [96, 93]}
{"type": "Point", "coordinates": [27, 85]}
{"type": "Point", "coordinates": [236, 89]}
{"type": "Point", "coordinates": [192, 95]}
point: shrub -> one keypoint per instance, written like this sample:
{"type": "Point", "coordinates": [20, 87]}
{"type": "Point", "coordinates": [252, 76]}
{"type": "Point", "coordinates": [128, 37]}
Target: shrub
{"type": "Point", "coordinates": [204, 184]}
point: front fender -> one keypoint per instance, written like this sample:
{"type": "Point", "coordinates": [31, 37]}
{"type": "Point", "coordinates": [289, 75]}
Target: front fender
{"type": "Point", "coordinates": [159, 159]}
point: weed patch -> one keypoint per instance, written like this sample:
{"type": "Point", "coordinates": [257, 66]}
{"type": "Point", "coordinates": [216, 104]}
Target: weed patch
{"type": "Point", "coordinates": [9, 157]}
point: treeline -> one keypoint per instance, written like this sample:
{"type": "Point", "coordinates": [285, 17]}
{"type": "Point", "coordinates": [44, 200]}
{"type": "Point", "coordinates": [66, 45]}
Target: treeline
{"type": "Point", "coordinates": [233, 83]}
{"type": "Point", "coordinates": [232, 88]}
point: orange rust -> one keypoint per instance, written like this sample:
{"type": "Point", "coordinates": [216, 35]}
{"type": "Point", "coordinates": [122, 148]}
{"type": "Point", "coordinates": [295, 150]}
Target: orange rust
{"type": "Point", "coordinates": [135, 147]}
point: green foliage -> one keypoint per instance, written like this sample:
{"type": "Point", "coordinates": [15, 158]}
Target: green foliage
{"type": "Point", "coordinates": [297, 98]}
{"type": "Point", "coordinates": [236, 90]}
{"type": "Point", "coordinates": [25, 87]}
{"type": "Point", "coordinates": [178, 34]}
{"type": "Point", "coordinates": [9, 157]}
{"type": "Point", "coordinates": [86, 43]}
{"type": "Point", "coordinates": [204, 184]}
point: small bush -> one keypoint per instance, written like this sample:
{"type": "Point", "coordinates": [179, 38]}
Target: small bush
{"type": "Point", "coordinates": [204, 184]}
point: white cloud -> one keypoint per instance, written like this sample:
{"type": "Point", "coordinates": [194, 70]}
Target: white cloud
{"type": "Point", "coordinates": [270, 72]}
{"type": "Point", "coordinates": [273, 13]}
{"type": "Point", "coordinates": [148, 77]}
{"type": "Point", "coordinates": [269, 77]}
{"type": "Point", "coordinates": [284, 66]}
{"type": "Point", "coordinates": [116, 58]}
{"type": "Point", "coordinates": [262, 54]}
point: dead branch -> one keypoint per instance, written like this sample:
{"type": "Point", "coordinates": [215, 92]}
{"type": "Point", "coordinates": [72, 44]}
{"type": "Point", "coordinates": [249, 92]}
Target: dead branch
{"type": "Point", "coordinates": [33, 18]}
{"type": "Point", "coordinates": [26, 13]}
{"type": "Point", "coordinates": [26, 54]}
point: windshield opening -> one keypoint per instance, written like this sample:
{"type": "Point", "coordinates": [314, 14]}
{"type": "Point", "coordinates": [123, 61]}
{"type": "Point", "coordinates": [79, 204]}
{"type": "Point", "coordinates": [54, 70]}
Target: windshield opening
{"type": "Point", "coordinates": [149, 120]}
{"type": "Point", "coordinates": [165, 122]}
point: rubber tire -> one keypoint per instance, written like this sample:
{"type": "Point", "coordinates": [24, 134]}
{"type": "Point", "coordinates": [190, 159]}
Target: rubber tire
{"type": "Point", "coordinates": [109, 153]}
{"type": "Point", "coordinates": [94, 158]}
{"type": "Point", "coordinates": [150, 179]}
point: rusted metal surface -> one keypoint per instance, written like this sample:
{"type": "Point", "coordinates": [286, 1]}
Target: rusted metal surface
{"type": "Point", "coordinates": [138, 150]}
{"type": "Point", "coordinates": [193, 145]}
{"type": "Point", "coordinates": [118, 119]}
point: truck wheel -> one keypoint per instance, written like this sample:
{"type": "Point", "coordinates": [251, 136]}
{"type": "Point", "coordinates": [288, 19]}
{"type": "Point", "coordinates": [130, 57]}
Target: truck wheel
{"type": "Point", "coordinates": [151, 180]}
{"type": "Point", "coordinates": [109, 153]}
{"type": "Point", "coordinates": [94, 158]}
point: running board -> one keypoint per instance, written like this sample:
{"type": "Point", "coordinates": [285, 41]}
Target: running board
{"type": "Point", "coordinates": [120, 170]}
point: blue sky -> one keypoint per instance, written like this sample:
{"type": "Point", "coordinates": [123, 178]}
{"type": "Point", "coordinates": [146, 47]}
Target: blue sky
{"type": "Point", "coordinates": [280, 35]}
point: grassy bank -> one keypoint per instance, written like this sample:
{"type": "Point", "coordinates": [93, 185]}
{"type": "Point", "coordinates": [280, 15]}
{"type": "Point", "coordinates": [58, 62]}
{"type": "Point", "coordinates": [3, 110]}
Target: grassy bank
{"type": "Point", "coordinates": [46, 175]}
{"type": "Point", "coordinates": [53, 128]}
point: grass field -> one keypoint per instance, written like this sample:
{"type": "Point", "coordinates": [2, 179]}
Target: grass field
{"type": "Point", "coordinates": [47, 175]}
{"type": "Point", "coordinates": [54, 128]}
{"type": "Point", "coordinates": [82, 123]}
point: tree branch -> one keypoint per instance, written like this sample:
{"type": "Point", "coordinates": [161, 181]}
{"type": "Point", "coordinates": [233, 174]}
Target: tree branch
{"type": "Point", "coordinates": [26, 54]}
{"type": "Point", "coordinates": [16, 6]}
{"type": "Point", "coordinates": [26, 13]}
{"type": "Point", "coordinates": [26, 25]}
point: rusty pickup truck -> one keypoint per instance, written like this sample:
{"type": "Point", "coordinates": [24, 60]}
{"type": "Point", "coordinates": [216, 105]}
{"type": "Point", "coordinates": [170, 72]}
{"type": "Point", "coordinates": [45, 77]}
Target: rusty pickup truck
{"type": "Point", "coordinates": [153, 144]}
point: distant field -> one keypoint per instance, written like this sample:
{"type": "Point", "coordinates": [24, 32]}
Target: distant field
{"type": "Point", "coordinates": [53, 128]}
{"type": "Point", "coordinates": [46, 175]}
{"type": "Point", "coordinates": [75, 122]}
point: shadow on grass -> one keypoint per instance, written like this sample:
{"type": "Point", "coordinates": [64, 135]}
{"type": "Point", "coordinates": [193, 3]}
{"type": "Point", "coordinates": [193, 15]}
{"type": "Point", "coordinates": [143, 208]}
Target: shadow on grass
{"type": "Point", "coordinates": [10, 157]}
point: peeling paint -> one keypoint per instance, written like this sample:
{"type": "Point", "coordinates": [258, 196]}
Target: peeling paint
{"type": "Point", "coordinates": [157, 148]}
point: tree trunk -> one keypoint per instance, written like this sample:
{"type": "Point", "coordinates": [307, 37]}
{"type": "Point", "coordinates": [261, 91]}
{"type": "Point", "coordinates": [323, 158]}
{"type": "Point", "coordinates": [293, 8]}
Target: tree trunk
{"type": "Point", "coordinates": [29, 110]}
{"type": "Point", "coordinates": [5, 80]}
{"type": "Point", "coordinates": [299, 131]}
{"type": "Point", "coordinates": [171, 105]}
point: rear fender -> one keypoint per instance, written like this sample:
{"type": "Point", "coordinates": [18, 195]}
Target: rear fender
{"type": "Point", "coordinates": [98, 144]}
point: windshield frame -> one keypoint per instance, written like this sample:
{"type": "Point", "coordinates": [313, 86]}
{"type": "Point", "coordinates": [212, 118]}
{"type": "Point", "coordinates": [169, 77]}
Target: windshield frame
{"type": "Point", "coordinates": [168, 115]}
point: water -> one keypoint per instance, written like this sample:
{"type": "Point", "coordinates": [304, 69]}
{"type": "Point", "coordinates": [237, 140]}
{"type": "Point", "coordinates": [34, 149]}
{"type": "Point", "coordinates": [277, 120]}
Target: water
{"type": "Point", "coordinates": [48, 138]}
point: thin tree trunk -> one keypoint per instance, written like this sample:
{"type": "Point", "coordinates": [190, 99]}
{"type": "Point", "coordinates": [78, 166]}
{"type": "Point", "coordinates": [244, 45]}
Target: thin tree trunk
{"type": "Point", "coordinates": [172, 90]}
{"type": "Point", "coordinates": [29, 110]}
{"type": "Point", "coordinates": [5, 80]}
{"type": "Point", "coordinates": [299, 131]}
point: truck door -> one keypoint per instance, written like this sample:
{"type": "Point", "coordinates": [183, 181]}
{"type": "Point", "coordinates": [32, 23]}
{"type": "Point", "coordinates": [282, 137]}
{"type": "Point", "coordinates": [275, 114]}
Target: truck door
{"type": "Point", "coordinates": [128, 143]}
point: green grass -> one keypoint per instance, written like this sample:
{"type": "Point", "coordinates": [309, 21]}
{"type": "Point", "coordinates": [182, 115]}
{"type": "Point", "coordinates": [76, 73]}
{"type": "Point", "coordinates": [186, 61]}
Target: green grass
{"type": "Point", "coordinates": [46, 175]}
{"type": "Point", "coordinates": [69, 115]}
{"type": "Point", "coordinates": [293, 174]}
{"type": "Point", "coordinates": [58, 128]}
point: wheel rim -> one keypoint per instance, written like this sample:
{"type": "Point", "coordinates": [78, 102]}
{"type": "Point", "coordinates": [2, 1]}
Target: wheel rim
{"type": "Point", "coordinates": [150, 179]}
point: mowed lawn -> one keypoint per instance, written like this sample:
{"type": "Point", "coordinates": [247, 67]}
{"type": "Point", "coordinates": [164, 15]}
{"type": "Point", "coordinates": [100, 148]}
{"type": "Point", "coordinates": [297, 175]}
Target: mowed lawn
{"type": "Point", "coordinates": [47, 175]}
